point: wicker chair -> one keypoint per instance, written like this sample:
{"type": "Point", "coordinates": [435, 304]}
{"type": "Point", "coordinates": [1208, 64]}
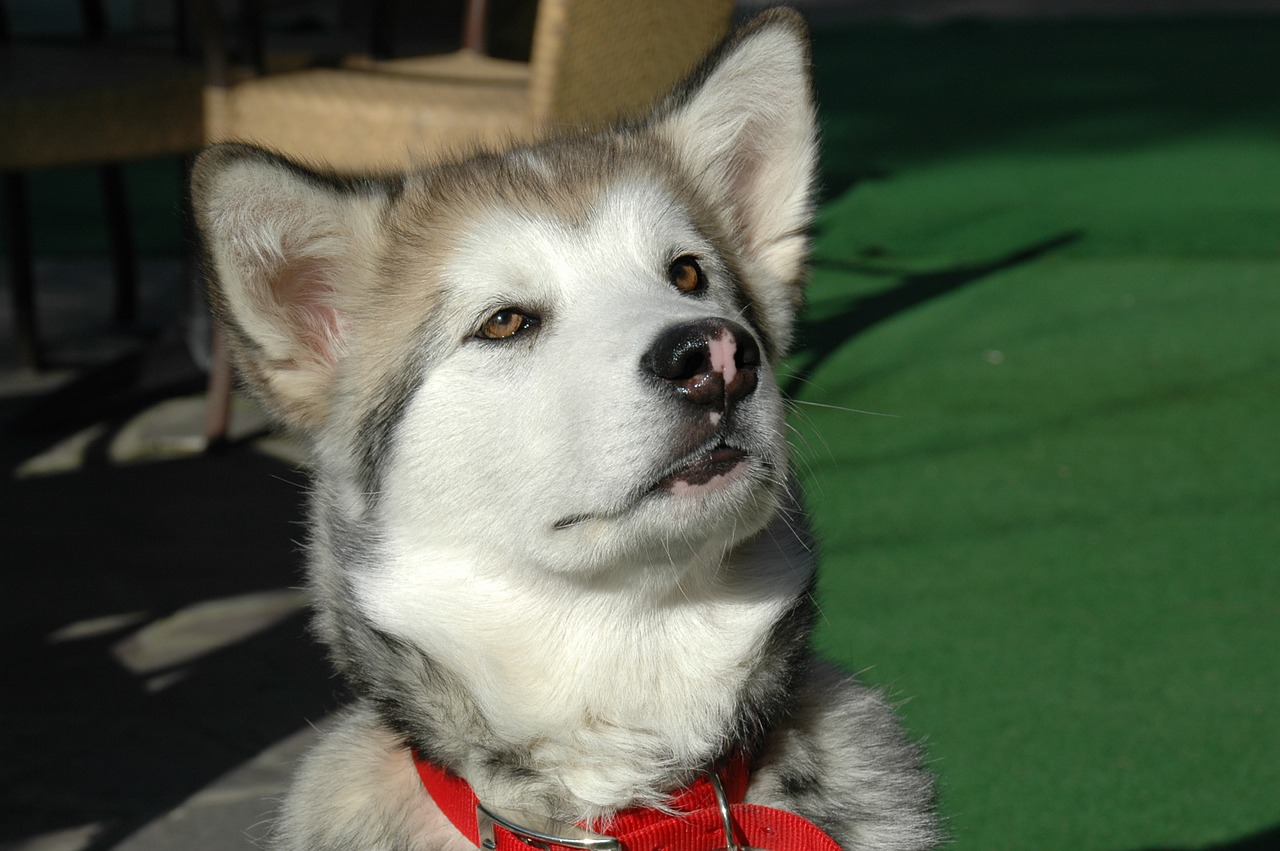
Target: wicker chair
{"type": "Point", "coordinates": [591, 61]}
{"type": "Point", "coordinates": [89, 103]}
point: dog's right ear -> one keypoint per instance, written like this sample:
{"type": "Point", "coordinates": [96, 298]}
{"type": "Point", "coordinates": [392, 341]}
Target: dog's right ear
{"type": "Point", "coordinates": [745, 128]}
{"type": "Point", "coordinates": [285, 249]}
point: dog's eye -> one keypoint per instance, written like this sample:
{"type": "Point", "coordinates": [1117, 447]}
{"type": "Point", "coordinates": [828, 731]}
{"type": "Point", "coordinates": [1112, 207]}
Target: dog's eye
{"type": "Point", "coordinates": [505, 323]}
{"type": "Point", "coordinates": [686, 275]}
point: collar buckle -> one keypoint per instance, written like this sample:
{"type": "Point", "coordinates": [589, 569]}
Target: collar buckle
{"type": "Point", "coordinates": [726, 815]}
{"type": "Point", "coordinates": [538, 831]}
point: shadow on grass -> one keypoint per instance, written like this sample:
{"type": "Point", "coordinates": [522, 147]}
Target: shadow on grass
{"type": "Point", "coordinates": [891, 94]}
{"type": "Point", "coordinates": [821, 339]}
{"type": "Point", "coordinates": [1264, 841]}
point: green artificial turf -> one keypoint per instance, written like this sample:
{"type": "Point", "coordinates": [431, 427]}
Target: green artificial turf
{"type": "Point", "coordinates": [1050, 253]}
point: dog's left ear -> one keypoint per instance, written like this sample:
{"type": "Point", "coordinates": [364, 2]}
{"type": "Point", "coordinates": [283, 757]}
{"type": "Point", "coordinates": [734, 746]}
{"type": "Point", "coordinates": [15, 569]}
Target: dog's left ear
{"type": "Point", "coordinates": [288, 252]}
{"type": "Point", "coordinates": [745, 128]}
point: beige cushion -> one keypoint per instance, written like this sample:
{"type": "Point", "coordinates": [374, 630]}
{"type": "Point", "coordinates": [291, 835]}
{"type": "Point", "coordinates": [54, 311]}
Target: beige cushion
{"type": "Point", "coordinates": [356, 121]}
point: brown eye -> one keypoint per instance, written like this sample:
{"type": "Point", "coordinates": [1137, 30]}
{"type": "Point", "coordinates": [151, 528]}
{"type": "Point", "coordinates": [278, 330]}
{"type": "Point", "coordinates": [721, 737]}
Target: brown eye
{"type": "Point", "coordinates": [686, 275]}
{"type": "Point", "coordinates": [504, 324]}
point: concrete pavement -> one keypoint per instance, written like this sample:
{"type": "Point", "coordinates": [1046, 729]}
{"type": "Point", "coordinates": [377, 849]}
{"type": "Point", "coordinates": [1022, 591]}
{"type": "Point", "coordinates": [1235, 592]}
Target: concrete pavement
{"type": "Point", "coordinates": [159, 681]}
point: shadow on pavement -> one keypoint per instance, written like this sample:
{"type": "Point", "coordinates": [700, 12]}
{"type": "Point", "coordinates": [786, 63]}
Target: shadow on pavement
{"type": "Point", "coordinates": [108, 550]}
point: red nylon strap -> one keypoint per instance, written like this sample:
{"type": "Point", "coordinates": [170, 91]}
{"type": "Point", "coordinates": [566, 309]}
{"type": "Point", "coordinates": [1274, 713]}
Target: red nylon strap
{"type": "Point", "coordinates": [696, 826]}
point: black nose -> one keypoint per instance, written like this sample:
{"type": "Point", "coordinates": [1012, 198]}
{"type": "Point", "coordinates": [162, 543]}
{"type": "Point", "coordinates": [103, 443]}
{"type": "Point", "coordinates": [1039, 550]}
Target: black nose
{"type": "Point", "coordinates": [711, 362]}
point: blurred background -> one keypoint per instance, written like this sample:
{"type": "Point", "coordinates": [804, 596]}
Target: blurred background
{"type": "Point", "coordinates": [1035, 398]}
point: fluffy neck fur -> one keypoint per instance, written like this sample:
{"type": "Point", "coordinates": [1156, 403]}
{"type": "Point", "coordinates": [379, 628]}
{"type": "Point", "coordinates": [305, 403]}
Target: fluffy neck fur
{"type": "Point", "coordinates": [587, 707]}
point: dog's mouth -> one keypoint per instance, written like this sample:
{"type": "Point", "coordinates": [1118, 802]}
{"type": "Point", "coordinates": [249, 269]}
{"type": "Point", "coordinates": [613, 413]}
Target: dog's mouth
{"type": "Point", "coordinates": [704, 471]}
{"type": "Point", "coordinates": [701, 471]}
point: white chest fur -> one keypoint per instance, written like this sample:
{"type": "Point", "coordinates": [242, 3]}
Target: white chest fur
{"type": "Point", "coordinates": [607, 686]}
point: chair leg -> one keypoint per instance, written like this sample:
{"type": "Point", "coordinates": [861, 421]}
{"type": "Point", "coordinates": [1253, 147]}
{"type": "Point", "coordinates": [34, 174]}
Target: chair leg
{"type": "Point", "coordinates": [475, 36]}
{"type": "Point", "coordinates": [21, 275]}
{"type": "Point", "coordinates": [124, 263]}
{"type": "Point", "coordinates": [217, 412]}
{"type": "Point", "coordinates": [217, 406]}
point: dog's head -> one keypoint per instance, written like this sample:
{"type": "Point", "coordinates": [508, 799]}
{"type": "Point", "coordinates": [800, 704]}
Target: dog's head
{"type": "Point", "coordinates": [561, 356]}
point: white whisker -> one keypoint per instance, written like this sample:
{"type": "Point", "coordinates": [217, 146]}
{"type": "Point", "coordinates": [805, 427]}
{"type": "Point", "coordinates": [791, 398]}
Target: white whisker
{"type": "Point", "coordinates": [842, 408]}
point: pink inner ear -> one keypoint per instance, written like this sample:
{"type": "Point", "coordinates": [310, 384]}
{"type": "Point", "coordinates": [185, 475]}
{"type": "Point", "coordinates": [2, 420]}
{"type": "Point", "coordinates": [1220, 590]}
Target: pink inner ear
{"type": "Point", "coordinates": [304, 290]}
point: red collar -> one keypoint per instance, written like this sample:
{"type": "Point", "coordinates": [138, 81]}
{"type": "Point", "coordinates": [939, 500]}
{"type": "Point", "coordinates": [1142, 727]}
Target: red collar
{"type": "Point", "coordinates": [697, 821]}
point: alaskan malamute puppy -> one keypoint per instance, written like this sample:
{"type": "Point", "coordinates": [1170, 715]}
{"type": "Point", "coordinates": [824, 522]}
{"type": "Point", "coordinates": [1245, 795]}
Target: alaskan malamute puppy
{"type": "Point", "coordinates": [555, 547]}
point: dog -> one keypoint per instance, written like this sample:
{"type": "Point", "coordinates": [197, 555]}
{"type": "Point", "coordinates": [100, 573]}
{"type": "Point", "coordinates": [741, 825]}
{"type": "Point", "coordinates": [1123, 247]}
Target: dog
{"type": "Point", "coordinates": [555, 547]}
